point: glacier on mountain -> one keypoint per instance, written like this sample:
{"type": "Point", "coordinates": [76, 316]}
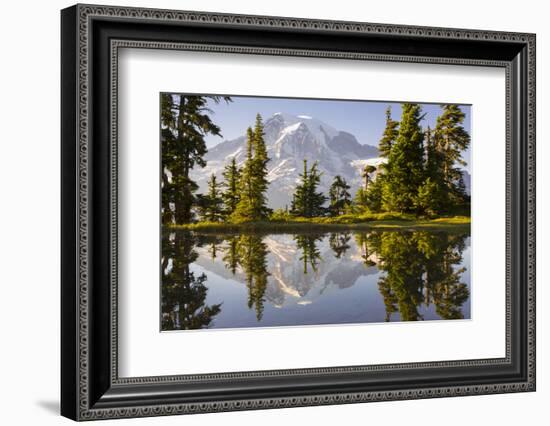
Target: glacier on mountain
{"type": "Point", "coordinates": [289, 140]}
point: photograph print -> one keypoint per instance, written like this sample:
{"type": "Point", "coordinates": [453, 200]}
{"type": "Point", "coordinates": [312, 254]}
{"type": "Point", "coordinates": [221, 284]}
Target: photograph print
{"type": "Point", "coordinates": [301, 212]}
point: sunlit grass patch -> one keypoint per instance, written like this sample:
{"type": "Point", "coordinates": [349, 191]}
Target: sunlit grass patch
{"type": "Point", "coordinates": [364, 221]}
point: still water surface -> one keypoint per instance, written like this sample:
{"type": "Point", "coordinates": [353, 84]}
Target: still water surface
{"type": "Point", "coordinates": [264, 280]}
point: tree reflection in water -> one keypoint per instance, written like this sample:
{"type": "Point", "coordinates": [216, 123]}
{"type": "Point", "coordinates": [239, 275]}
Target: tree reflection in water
{"type": "Point", "coordinates": [416, 268]}
{"type": "Point", "coordinates": [339, 243]}
{"type": "Point", "coordinates": [183, 293]}
{"type": "Point", "coordinates": [420, 268]}
{"type": "Point", "coordinates": [307, 244]}
{"type": "Point", "coordinates": [252, 254]}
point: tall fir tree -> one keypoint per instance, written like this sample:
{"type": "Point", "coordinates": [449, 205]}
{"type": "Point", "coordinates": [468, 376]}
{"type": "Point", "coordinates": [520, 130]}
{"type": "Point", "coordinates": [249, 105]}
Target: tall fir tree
{"type": "Point", "coordinates": [185, 122]}
{"type": "Point", "coordinates": [432, 196]}
{"type": "Point", "coordinates": [339, 196]}
{"type": "Point", "coordinates": [259, 166]}
{"type": "Point", "coordinates": [315, 198]}
{"type": "Point", "coordinates": [450, 140]}
{"type": "Point", "coordinates": [252, 205]}
{"type": "Point", "coordinates": [244, 209]}
{"type": "Point", "coordinates": [231, 193]}
{"type": "Point", "coordinates": [306, 200]}
{"type": "Point", "coordinates": [370, 197]}
{"type": "Point", "coordinates": [298, 205]}
{"type": "Point", "coordinates": [405, 167]}
{"type": "Point", "coordinates": [212, 202]}
{"type": "Point", "coordinates": [389, 136]}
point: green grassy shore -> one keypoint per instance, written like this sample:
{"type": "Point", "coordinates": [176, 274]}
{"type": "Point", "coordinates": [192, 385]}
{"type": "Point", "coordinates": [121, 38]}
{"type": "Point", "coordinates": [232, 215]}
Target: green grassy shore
{"type": "Point", "coordinates": [343, 222]}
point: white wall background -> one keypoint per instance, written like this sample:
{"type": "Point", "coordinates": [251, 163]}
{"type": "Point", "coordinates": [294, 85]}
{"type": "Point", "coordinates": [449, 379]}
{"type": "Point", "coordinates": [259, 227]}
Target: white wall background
{"type": "Point", "coordinates": [29, 212]}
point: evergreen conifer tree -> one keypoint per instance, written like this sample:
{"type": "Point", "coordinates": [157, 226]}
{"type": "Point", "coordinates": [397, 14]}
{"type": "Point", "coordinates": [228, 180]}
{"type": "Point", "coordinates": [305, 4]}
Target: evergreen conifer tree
{"type": "Point", "coordinates": [390, 134]}
{"type": "Point", "coordinates": [252, 204]}
{"type": "Point", "coordinates": [260, 183]}
{"type": "Point", "coordinates": [185, 121]}
{"type": "Point", "coordinates": [374, 194]}
{"type": "Point", "coordinates": [339, 196]}
{"type": "Point", "coordinates": [315, 199]}
{"type": "Point", "coordinates": [307, 201]}
{"type": "Point", "coordinates": [370, 196]}
{"type": "Point", "coordinates": [450, 140]}
{"type": "Point", "coordinates": [212, 203]}
{"type": "Point", "coordinates": [405, 167]}
{"type": "Point", "coordinates": [361, 199]}
{"type": "Point", "coordinates": [232, 177]}
{"type": "Point", "coordinates": [432, 195]}
{"type": "Point", "coordinates": [244, 210]}
{"type": "Point", "coordinates": [298, 206]}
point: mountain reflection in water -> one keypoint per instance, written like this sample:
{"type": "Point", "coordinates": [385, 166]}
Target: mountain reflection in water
{"type": "Point", "coordinates": [262, 280]}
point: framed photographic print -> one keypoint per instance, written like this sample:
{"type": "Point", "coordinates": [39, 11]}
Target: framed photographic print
{"type": "Point", "coordinates": [263, 212]}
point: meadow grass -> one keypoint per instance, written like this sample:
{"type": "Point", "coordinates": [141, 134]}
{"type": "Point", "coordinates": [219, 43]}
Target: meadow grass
{"type": "Point", "coordinates": [343, 222]}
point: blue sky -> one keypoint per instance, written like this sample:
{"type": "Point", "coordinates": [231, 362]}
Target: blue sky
{"type": "Point", "coordinates": [364, 119]}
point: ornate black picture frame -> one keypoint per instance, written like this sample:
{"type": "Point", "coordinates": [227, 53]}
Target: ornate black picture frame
{"type": "Point", "coordinates": [91, 36]}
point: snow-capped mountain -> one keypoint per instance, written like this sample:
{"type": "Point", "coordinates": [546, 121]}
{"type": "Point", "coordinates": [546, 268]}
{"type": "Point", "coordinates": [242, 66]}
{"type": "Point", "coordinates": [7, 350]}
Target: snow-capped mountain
{"type": "Point", "coordinates": [289, 140]}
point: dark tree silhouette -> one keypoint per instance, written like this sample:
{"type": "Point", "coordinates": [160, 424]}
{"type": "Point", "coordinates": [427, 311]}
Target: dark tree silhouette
{"type": "Point", "coordinates": [339, 196]}
{"type": "Point", "coordinates": [183, 293]}
{"type": "Point", "coordinates": [420, 268]}
{"type": "Point", "coordinates": [311, 256]}
{"type": "Point", "coordinates": [185, 122]}
{"type": "Point", "coordinates": [307, 201]}
{"type": "Point", "coordinates": [231, 254]}
{"type": "Point", "coordinates": [252, 253]}
{"type": "Point", "coordinates": [339, 243]}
